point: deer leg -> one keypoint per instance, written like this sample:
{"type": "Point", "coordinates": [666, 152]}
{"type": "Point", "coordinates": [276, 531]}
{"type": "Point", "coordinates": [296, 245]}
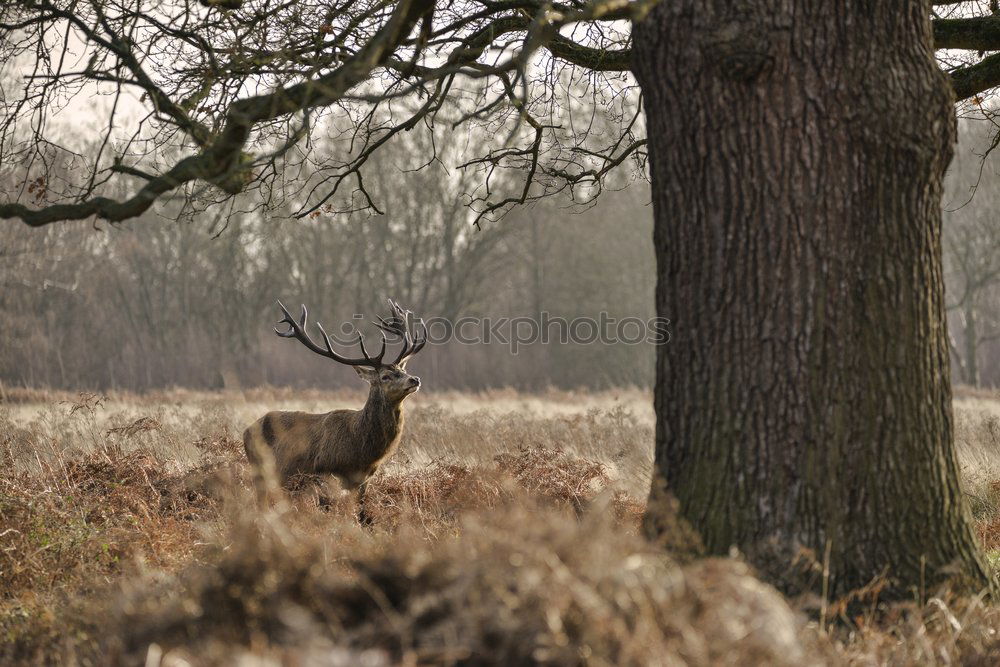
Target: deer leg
{"type": "Point", "coordinates": [267, 482]}
{"type": "Point", "coordinates": [363, 517]}
{"type": "Point", "coordinates": [357, 484]}
{"type": "Point", "coordinates": [324, 501]}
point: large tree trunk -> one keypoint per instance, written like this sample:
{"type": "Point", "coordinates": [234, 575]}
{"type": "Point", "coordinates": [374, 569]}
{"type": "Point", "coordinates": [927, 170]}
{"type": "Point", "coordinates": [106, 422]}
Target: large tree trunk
{"type": "Point", "coordinates": [804, 400]}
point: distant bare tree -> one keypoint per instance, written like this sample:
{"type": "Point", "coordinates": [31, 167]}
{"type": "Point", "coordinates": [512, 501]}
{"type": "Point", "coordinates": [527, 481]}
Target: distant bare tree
{"type": "Point", "coordinates": [972, 254]}
{"type": "Point", "coordinates": [149, 304]}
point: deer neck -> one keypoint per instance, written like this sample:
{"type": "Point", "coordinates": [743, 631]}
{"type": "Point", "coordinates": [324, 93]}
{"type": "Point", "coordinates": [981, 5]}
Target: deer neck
{"type": "Point", "coordinates": [381, 421]}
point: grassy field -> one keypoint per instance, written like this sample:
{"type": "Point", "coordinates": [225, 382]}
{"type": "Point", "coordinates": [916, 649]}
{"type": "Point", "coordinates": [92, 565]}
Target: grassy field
{"type": "Point", "coordinates": [506, 531]}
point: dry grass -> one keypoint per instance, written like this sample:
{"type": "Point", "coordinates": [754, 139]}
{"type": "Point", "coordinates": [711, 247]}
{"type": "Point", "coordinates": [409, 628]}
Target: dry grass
{"type": "Point", "coordinates": [506, 531]}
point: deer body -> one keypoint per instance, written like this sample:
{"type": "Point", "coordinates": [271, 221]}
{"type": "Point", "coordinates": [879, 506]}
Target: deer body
{"type": "Point", "coordinates": [348, 444]}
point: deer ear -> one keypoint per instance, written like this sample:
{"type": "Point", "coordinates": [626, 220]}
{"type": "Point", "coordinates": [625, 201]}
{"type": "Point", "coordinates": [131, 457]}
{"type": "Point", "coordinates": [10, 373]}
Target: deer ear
{"type": "Point", "coordinates": [402, 364]}
{"type": "Point", "coordinates": [366, 374]}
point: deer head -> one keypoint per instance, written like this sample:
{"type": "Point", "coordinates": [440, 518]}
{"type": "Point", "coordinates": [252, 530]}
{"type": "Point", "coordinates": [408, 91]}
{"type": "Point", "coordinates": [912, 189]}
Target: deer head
{"type": "Point", "coordinates": [390, 378]}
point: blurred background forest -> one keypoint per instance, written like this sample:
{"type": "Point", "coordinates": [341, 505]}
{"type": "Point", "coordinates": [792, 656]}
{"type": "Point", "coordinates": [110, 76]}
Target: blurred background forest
{"type": "Point", "coordinates": [157, 303]}
{"type": "Point", "coordinates": [972, 255]}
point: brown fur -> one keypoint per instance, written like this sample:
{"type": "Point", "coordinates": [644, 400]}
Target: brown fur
{"type": "Point", "coordinates": [348, 444]}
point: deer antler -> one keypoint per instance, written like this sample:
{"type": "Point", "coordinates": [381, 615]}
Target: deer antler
{"type": "Point", "coordinates": [398, 324]}
{"type": "Point", "coordinates": [297, 330]}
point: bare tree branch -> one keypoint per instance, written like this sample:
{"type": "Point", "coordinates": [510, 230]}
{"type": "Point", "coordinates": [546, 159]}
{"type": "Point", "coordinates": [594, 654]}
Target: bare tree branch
{"type": "Point", "coordinates": [215, 83]}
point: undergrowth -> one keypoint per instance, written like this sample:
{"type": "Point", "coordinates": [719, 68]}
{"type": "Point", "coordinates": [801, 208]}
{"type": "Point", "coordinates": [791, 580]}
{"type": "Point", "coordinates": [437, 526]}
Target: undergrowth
{"type": "Point", "coordinates": [130, 536]}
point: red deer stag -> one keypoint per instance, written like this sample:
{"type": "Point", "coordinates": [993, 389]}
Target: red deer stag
{"type": "Point", "coordinates": [348, 444]}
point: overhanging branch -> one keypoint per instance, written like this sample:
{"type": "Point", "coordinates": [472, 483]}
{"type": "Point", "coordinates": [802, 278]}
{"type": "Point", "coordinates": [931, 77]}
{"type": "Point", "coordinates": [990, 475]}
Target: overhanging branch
{"type": "Point", "coordinates": [372, 44]}
{"type": "Point", "coordinates": [222, 163]}
{"type": "Point", "coordinates": [981, 33]}
{"type": "Point", "coordinates": [184, 171]}
{"type": "Point", "coordinates": [974, 79]}
{"type": "Point", "coordinates": [598, 60]}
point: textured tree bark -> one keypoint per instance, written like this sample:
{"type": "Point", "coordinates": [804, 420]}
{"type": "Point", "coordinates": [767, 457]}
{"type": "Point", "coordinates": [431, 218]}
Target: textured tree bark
{"type": "Point", "coordinates": [804, 399]}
